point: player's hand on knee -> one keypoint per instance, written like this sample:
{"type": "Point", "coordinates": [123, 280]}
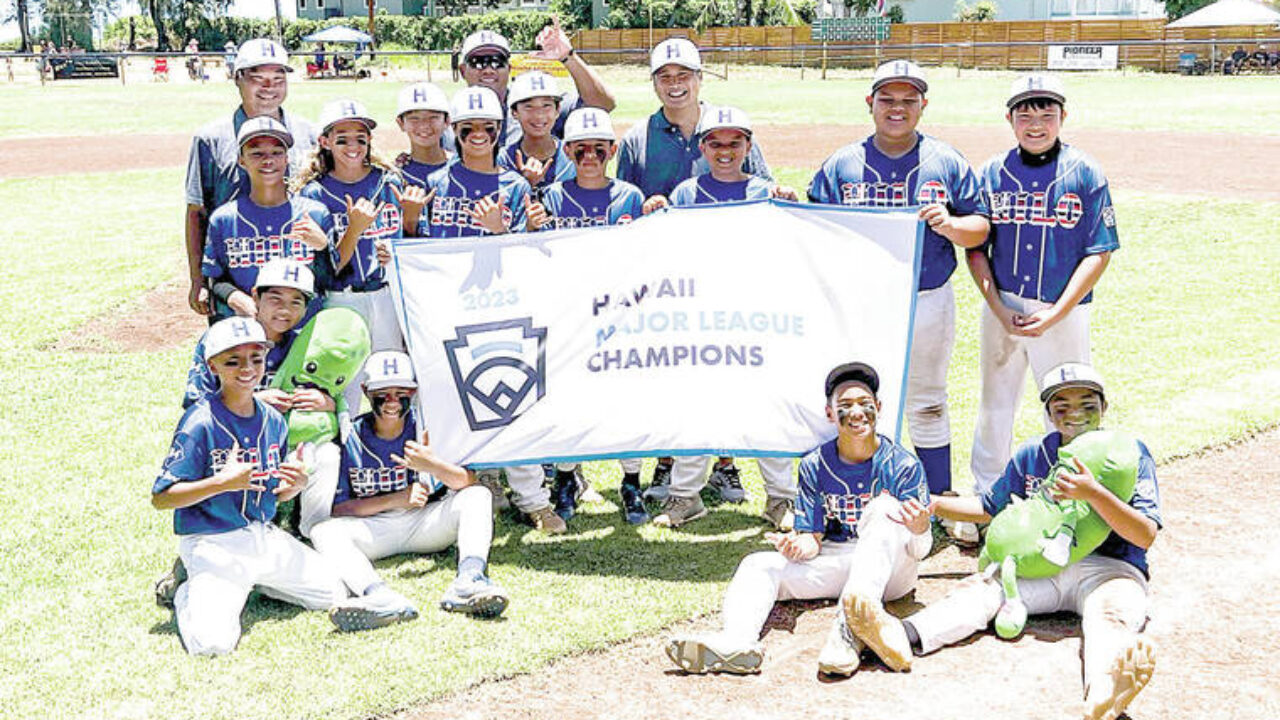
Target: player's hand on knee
{"type": "Point", "coordinates": [489, 213]}
{"type": "Point", "coordinates": [796, 547]}
{"type": "Point", "coordinates": [913, 515]}
{"type": "Point", "coordinates": [237, 474]}
{"type": "Point", "coordinates": [536, 214]}
{"type": "Point", "coordinates": [782, 192]}
{"type": "Point", "coordinates": [418, 495]}
{"type": "Point", "coordinates": [198, 298]}
{"type": "Point", "coordinates": [308, 232]}
{"type": "Point", "coordinates": [242, 304]}
{"type": "Point", "coordinates": [657, 202]}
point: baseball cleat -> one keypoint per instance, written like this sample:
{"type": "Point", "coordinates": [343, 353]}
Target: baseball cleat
{"type": "Point", "coordinates": [378, 609]}
{"type": "Point", "coordinates": [881, 632]}
{"type": "Point", "coordinates": [564, 493]}
{"type": "Point", "coordinates": [698, 655]}
{"type": "Point", "coordinates": [478, 596]}
{"type": "Point", "coordinates": [842, 652]}
{"type": "Point", "coordinates": [661, 482]}
{"type": "Point", "coordinates": [166, 588]}
{"type": "Point", "coordinates": [632, 505]}
{"type": "Point", "coordinates": [677, 511]}
{"type": "Point", "coordinates": [1128, 674]}
{"type": "Point", "coordinates": [586, 494]}
{"type": "Point", "coordinates": [492, 479]}
{"type": "Point", "coordinates": [546, 520]}
{"type": "Point", "coordinates": [726, 481]}
{"type": "Point", "coordinates": [780, 513]}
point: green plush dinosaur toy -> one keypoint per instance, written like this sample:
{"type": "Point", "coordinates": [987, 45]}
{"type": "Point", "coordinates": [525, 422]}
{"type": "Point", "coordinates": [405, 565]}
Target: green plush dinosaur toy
{"type": "Point", "coordinates": [327, 354]}
{"type": "Point", "coordinates": [1038, 537]}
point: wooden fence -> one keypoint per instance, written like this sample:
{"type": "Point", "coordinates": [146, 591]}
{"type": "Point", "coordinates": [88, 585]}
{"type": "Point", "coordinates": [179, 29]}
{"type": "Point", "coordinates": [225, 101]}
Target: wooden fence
{"type": "Point", "coordinates": [1147, 44]}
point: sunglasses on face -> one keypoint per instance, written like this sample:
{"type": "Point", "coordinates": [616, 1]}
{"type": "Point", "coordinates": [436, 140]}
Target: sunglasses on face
{"type": "Point", "coordinates": [480, 62]}
{"type": "Point", "coordinates": [599, 151]}
{"type": "Point", "coordinates": [490, 129]}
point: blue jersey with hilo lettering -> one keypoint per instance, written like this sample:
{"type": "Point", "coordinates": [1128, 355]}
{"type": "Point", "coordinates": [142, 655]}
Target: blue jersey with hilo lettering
{"type": "Point", "coordinates": [243, 236]}
{"type": "Point", "coordinates": [363, 272]}
{"type": "Point", "coordinates": [656, 157]}
{"type": "Point", "coordinates": [1045, 218]}
{"type": "Point", "coordinates": [202, 383]}
{"type": "Point", "coordinates": [706, 190]}
{"type": "Point", "coordinates": [562, 168]}
{"type": "Point", "coordinates": [1032, 464]}
{"type": "Point", "coordinates": [832, 493]}
{"type": "Point", "coordinates": [459, 189]}
{"type": "Point", "coordinates": [859, 175]}
{"type": "Point", "coordinates": [202, 445]}
{"type": "Point", "coordinates": [367, 468]}
{"type": "Point", "coordinates": [572, 206]}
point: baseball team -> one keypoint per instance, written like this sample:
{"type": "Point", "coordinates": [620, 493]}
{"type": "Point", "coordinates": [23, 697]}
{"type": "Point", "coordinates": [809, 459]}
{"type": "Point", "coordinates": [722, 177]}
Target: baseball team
{"type": "Point", "coordinates": [286, 220]}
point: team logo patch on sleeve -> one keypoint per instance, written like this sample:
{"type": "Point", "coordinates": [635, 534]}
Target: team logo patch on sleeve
{"type": "Point", "coordinates": [1109, 216]}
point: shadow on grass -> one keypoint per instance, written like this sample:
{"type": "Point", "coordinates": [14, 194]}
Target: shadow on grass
{"type": "Point", "coordinates": [258, 608]}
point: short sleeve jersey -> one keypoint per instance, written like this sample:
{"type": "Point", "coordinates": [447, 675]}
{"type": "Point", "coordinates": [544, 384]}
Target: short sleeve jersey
{"type": "Point", "coordinates": [203, 444]}
{"type": "Point", "coordinates": [571, 206]}
{"type": "Point", "coordinates": [833, 493]}
{"type": "Point", "coordinates": [416, 173]}
{"type": "Point", "coordinates": [656, 157]}
{"type": "Point", "coordinates": [706, 190]}
{"type": "Point", "coordinates": [368, 469]}
{"type": "Point", "coordinates": [859, 175]}
{"type": "Point", "coordinates": [1030, 467]}
{"type": "Point", "coordinates": [1045, 219]}
{"type": "Point", "coordinates": [214, 176]}
{"type": "Point", "coordinates": [363, 272]}
{"type": "Point", "coordinates": [562, 168]}
{"type": "Point", "coordinates": [202, 383]}
{"type": "Point", "coordinates": [459, 189]}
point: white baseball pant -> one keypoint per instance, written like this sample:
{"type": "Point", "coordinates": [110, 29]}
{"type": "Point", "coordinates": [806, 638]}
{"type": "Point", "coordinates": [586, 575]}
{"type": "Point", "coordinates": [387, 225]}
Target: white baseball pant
{"type": "Point", "coordinates": [931, 342]}
{"type": "Point", "coordinates": [379, 313]}
{"type": "Point", "coordinates": [689, 475]}
{"type": "Point", "coordinates": [1109, 595]}
{"type": "Point", "coordinates": [1004, 361]}
{"type": "Point", "coordinates": [528, 491]}
{"type": "Point", "coordinates": [316, 499]}
{"type": "Point", "coordinates": [882, 562]}
{"type": "Point", "coordinates": [223, 568]}
{"type": "Point", "coordinates": [464, 517]}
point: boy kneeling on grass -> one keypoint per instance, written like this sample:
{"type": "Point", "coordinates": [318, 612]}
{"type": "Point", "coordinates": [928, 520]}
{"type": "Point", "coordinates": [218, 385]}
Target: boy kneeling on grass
{"type": "Point", "coordinates": [384, 507]}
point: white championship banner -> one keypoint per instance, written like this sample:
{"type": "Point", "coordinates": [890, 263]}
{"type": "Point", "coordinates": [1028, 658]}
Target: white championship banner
{"type": "Point", "coordinates": [703, 330]}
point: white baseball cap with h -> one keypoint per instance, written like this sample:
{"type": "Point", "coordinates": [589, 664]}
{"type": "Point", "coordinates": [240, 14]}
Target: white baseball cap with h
{"type": "Point", "coordinates": [900, 71]}
{"type": "Point", "coordinates": [287, 273]}
{"type": "Point", "coordinates": [675, 51]}
{"type": "Point", "coordinates": [231, 333]}
{"type": "Point", "coordinates": [532, 84]}
{"type": "Point", "coordinates": [336, 111]}
{"type": "Point", "coordinates": [388, 368]}
{"type": "Point", "coordinates": [724, 118]}
{"type": "Point", "coordinates": [421, 96]}
{"type": "Point", "coordinates": [263, 126]}
{"type": "Point", "coordinates": [261, 51]}
{"type": "Point", "coordinates": [489, 40]}
{"type": "Point", "coordinates": [588, 123]}
{"type": "Point", "coordinates": [1037, 85]}
{"type": "Point", "coordinates": [1070, 375]}
{"type": "Point", "coordinates": [475, 103]}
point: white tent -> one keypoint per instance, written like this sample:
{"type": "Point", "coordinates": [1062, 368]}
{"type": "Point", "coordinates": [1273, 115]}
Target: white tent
{"type": "Point", "coordinates": [339, 34]}
{"type": "Point", "coordinates": [1229, 12]}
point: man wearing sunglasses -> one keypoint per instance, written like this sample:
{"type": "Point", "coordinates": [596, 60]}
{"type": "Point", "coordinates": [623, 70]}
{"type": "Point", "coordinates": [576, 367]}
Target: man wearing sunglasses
{"type": "Point", "coordinates": [486, 62]}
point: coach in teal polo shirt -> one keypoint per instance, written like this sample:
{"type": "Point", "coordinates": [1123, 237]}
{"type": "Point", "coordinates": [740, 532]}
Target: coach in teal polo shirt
{"type": "Point", "coordinates": [657, 155]}
{"type": "Point", "coordinates": [214, 175]}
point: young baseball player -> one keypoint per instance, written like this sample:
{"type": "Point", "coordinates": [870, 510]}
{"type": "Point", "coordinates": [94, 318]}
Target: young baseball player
{"type": "Point", "coordinates": [369, 208]}
{"type": "Point", "coordinates": [725, 142]}
{"type": "Point", "coordinates": [214, 174]}
{"type": "Point", "coordinates": [384, 507]}
{"type": "Point", "coordinates": [861, 529]}
{"type": "Point", "coordinates": [266, 223]}
{"type": "Point", "coordinates": [422, 112]}
{"type": "Point", "coordinates": [1107, 589]}
{"type": "Point", "coordinates": [898, 167]}
{"type": "Point", "coordinates": [535, 99]}
{"type": "Point", "coordinates": [590, 199]}
{"type": "Point", "coordinates": [659, 154]}
{"type": "Point", "coordinates": [228, 466]}
{"type": "Point", "coordinates": [1053, 230]}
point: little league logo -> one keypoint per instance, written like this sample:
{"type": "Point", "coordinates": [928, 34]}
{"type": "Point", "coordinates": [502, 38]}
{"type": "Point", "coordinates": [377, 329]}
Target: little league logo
{"type": "Point", "coordinates": [499, 369]}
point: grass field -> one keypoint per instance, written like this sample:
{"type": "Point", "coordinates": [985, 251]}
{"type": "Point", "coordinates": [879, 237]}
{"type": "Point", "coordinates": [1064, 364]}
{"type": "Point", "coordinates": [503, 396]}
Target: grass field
{"type": "Point", "coordinates": [1185, 329]}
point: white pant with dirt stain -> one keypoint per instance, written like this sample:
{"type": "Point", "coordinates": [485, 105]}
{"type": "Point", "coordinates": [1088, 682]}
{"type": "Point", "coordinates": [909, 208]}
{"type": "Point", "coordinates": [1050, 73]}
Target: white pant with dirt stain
{"type": "Point", "coordinates": [931, 342]}
{"type": "Point", "coordinates": [1109, 595]}
{"type": "Point", "coordinates": [882, 562]}
{"type": "Point", "coordinates": [350, 544]}
{"type": "Point", "coordinates": [223, 568]}
{"type": "Point", "coordinates": [1004, 361]}
{"type": "Point", "coordinates": [689, 475]}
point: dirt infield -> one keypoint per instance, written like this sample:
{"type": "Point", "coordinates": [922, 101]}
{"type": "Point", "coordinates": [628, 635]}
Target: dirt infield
{"type": "Point", "coordinates": [1215, 618]}
{"type": "Point", "coordinates": [1182, 163]}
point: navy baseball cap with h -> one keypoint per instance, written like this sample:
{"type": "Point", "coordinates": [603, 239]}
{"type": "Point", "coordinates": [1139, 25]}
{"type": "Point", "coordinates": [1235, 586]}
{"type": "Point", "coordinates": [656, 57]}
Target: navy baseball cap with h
{"type": "Point", "coordinates": [857, 372]}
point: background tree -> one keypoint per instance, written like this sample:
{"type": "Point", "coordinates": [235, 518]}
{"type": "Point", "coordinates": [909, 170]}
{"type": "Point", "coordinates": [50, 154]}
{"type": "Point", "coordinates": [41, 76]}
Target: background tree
{"type": "Point", "coordinates": [1175, 9]}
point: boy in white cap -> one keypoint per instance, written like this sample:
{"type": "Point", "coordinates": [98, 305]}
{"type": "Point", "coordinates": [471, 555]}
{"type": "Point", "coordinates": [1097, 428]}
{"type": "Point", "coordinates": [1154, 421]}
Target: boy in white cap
{"type": "Point", "coordinates": [724, 138]}
{"type": "Point", "coordinates": [395, 496]}
{"type": "Point", "coordinates": [862, 527]}
{"type": "Point", "coordinates": [1053, 229]}
{"type": "Point", "coordinates": [422, 112]}
{"type": "Point", "coordinates": [535, 100]}
{"type": "Point", "coordinates": [1107, 589]}
{"type": "Point", "coordinates": [898, 167]}
{"type": "Point", "coordinates": [227, 467]}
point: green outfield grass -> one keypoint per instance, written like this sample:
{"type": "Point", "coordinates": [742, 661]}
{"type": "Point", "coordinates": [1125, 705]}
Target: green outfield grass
{"type": "Point", "coordinates": [1248, 105]}
{"type": "Point", "coordinates": [1184, 329]}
